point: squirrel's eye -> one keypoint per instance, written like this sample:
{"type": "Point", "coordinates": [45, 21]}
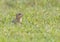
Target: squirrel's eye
{"type": "Point", "coordinates": [19, 14]}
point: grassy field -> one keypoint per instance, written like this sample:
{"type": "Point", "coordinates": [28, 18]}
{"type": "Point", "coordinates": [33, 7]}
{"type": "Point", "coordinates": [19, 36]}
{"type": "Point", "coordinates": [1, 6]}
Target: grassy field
{"type": "Point", "coordinates": [41, 21]}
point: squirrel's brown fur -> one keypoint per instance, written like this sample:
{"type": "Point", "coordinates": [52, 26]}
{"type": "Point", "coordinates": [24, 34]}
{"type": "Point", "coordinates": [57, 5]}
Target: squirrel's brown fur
{"type": "Point", "coordinates": [18, 18]}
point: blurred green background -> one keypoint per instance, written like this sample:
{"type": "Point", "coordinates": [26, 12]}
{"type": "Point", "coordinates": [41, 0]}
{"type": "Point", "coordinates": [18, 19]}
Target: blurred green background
{"type": "Point", "coordinates": [41, 21]}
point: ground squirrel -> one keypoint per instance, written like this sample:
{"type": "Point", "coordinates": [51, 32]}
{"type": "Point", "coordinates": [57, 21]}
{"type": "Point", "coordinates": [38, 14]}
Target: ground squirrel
{"type": "Point", "coordinates": [18, 18]}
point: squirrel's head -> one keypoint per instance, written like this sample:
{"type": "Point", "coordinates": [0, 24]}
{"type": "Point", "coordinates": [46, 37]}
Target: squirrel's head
{"type": "Point", "coordinates": [19, 15]}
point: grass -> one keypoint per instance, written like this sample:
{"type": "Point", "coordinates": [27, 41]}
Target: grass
{"type": "Point", "coordinates": [41, 21]}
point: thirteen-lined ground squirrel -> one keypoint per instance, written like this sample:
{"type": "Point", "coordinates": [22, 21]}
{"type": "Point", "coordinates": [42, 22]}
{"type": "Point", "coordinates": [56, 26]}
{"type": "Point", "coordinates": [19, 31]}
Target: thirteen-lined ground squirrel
{"type": "Point", "coordinates": [18, 18]}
